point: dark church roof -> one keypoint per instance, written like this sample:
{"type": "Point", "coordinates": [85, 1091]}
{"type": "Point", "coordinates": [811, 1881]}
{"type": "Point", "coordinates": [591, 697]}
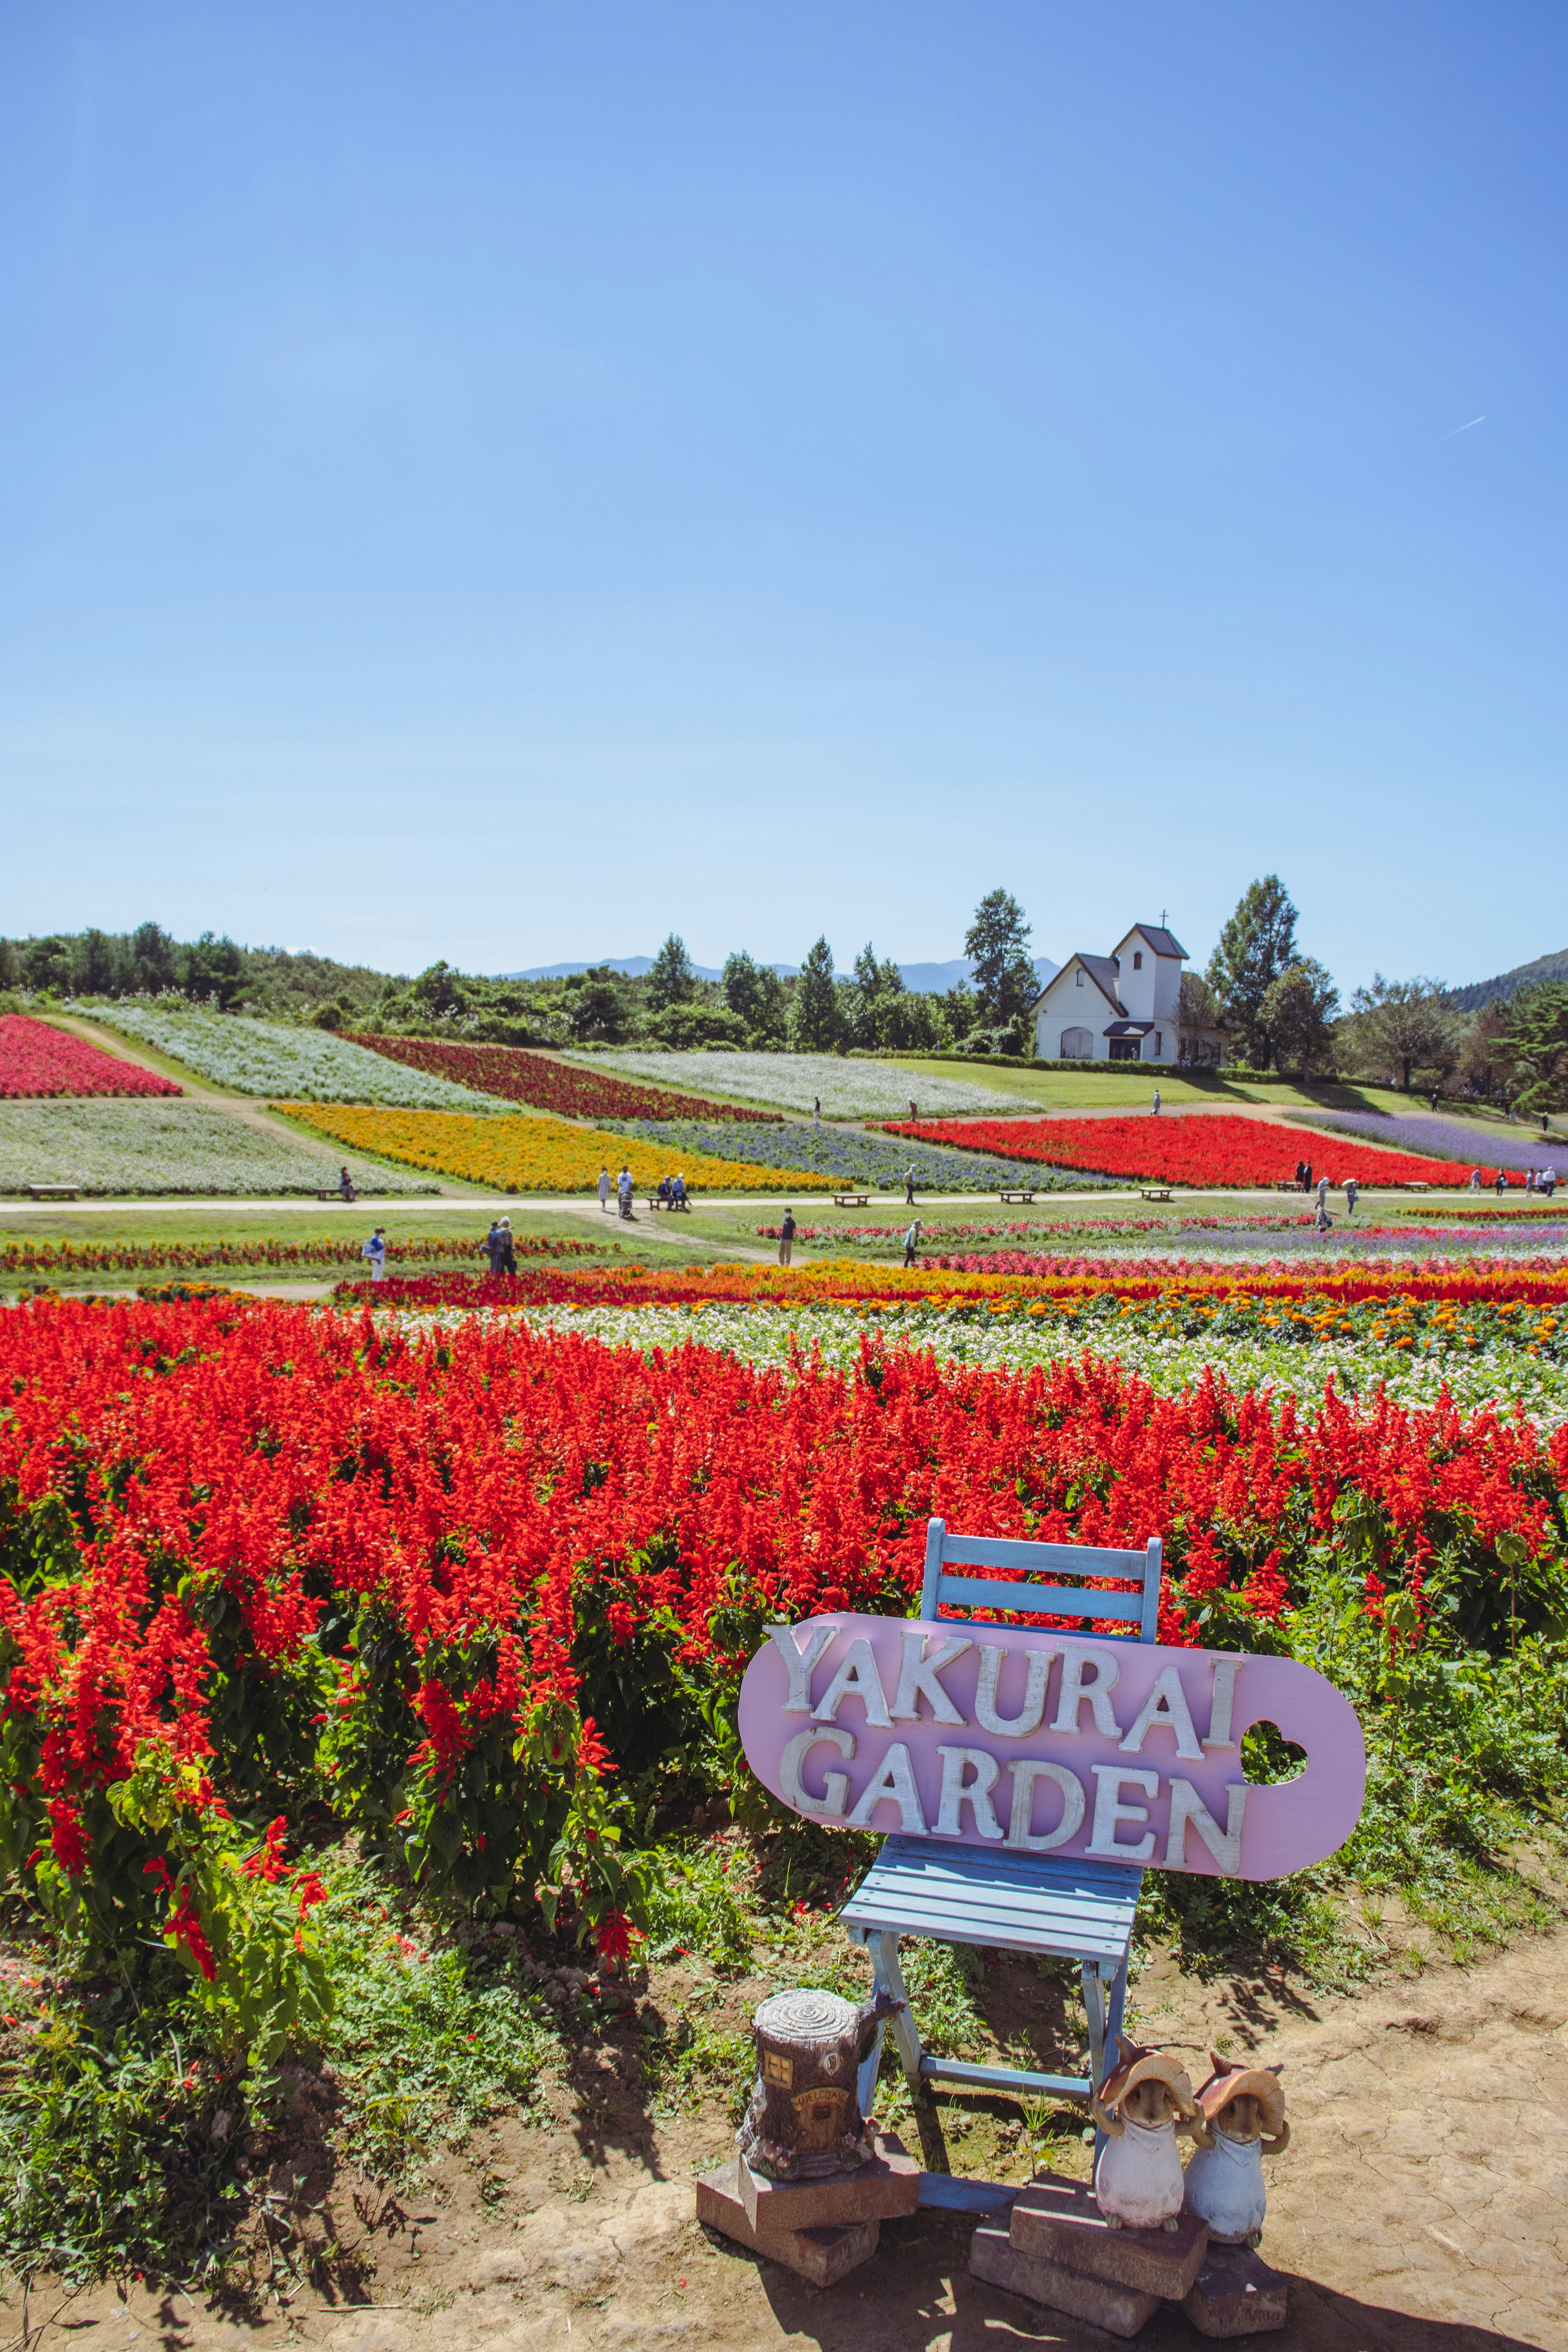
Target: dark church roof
{"type": "Point", "coordinates": [1103, 971]}
{"type": "Point", "coordinates": [1163, 943]}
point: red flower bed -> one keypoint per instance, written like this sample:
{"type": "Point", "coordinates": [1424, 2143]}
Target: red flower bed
{"type": "Point", "coordinates": [407, 1568]}
{"type": "Point", "coordinates": [513, 1071]}
{"type": "Point", "coordinates": [1201, 1149]}
{"type": "Point", "coordinates": [36, 1059]}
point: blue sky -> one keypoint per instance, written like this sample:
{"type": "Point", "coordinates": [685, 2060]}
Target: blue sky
{"type": "Point", "coordinates": [504, 482]}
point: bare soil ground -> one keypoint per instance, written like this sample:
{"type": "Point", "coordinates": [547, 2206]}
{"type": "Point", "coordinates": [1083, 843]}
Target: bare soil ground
{"type": "Point", "coordinates": [1420, 2207]}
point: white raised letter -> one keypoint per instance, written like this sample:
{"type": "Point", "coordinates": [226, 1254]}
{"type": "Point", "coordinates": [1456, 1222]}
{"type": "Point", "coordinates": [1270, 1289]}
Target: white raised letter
{"type": "Point", "coordinates": [1186, 1805]}
{"type": "Point", "coordinates": [1108, 1811]}
{"type": "Point", "coordinates": [1226, 1671]}
{"type": "Point", "coordinates": [955, 1796]}
{"type": "Point", "coordinates": [857, 1677]}
{"type": "Point", "coordinates": [1075, 1690]}
{"type": "Point", "coordinates": [1166, 1704]}
{"type": "Point", "coordinates": [993, 1657]}
{"type": "Point", "coordinates": [917, 1672]}
{"type": "Point", "coordinates": [894, 1785]}
{"type": "Point", "coordinates": [1025, 1772]}
{"type": "Point", "coordinates": [837, 1787]}
{"type": "Point", "coordinates": [799, 1663]}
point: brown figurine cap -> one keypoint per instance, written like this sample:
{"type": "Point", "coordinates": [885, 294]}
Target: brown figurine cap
{"type": "Point", "coordinates": [1137, 2064]}
{"type": "Point", "coordinates": [1230, 2081]}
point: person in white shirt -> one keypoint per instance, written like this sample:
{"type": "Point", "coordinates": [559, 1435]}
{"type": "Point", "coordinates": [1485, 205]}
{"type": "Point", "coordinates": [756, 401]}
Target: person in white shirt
{"type": "Point", "coordinates": [375, 1250]}
{"type": "Point", "coordinates": [604, 1192]}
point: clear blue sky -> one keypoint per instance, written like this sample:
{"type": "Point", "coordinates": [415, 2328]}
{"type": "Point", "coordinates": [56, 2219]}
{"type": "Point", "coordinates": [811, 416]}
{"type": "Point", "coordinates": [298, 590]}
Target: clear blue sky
{"type": "Point", "coordinates": [504, 481]}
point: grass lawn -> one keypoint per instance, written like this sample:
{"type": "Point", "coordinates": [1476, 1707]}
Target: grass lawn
{"type": "Point", "coordinates": [1079, 1090]}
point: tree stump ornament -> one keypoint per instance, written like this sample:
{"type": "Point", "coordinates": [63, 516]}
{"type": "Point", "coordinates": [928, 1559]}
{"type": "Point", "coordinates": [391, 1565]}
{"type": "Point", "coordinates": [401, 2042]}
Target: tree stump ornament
{"type": "Point", "coordinates": [803, 2120]}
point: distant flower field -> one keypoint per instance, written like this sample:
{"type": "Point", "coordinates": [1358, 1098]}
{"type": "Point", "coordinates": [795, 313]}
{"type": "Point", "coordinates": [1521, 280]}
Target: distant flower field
{"type": "Point", "coordinates": [1443, 1138]}
{"type": "Point", "coordinates": [533, 1155]}
{"type": "Point", "coordinates": [268, 1057]}
{"type": "Point", "coordinates": [518, 1075]}
{"type": "Point", "coordinates": [152, 1148]}
{"type": "Point", "coordinates": [847, 1089]}
{"type": "Point", "coordinates": [38, 1060]}
{"type": "Point", "coordinates": [850, 1157]}
{"type": "Point", "coordinates": [1204, 1148]}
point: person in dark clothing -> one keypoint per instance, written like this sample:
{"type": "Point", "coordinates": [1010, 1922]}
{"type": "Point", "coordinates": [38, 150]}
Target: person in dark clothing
{"type": "Point", "coordinates": [495, 1247]}
{"type": "Point", "coordinates": [508, 1252]}
{"type": "Point", "coordinates": [345, 1184]}
{"type": "Point", "coordinates": [911, 1242]}
{"type": "Point", "coordinates": [786, 1236]}
{"type": "Point", "coordinates": [910, 1186]}
{"type": "Point", "coordinates": [1502, 1182]}
{"type": "Point", "coordinates": [1306, 1175]}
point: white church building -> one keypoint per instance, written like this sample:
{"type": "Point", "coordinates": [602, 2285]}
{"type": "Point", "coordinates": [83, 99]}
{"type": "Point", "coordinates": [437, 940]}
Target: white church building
{"type": "Point", "coordinates": [1123, 1007]}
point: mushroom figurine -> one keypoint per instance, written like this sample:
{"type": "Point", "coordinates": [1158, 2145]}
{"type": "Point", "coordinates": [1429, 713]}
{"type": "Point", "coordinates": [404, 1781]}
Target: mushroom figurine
{"type": "Point", "coordinates": [1140, 2106]}
{"type": "Point", "coordinates": [1243, 2110]}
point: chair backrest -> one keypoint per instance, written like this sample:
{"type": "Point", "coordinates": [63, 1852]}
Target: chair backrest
{"type": "Point", "coordinates": [1140, 1609]}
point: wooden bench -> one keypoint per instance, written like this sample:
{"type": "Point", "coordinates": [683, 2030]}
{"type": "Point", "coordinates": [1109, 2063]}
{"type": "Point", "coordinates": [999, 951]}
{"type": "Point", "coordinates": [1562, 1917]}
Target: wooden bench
{"type": "Point", "coordinates": [1024, 1196]}
{"type": "Point", "coordinates": [54, 1192]}
{"type": "Point", "coordinates": [336, 1193]}
{"type": "Point", "coordinates": [1156, 1191]}
{"type": "Point", "coordinates": [655, 1202]}
{"type": "Point", "coordinates": [851, 1199]}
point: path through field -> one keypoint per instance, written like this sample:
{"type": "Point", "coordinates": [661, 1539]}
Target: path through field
{"type": "Point", "coordinates": [1420, 2208]}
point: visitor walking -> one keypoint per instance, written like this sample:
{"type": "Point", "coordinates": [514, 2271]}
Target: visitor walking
{"type": "Point", "coordinates": [624, 1192]}
{"type": "Point", "coordinates": [375, 1250]}
{"type": "Point", "coordinates": [604, 1192]}
{"type": "Point", "coordinates": [786, 1236]}
{"type": "Point", "coordinates": [1475, 1180]}
{"type": "Point", "coordinates": [911, 1242]}
{"type": "Point", "coordinates": [1501, 1183]}
{"type": "Point", "coordinates": [1156, 1102]}
{"type": "Point", "coordinates": [494, 1246]}
{"type": "Point", "coordinates": [1352, 1188]}
{"type": "Point", "coordinates": [1306, 1175]}
{"type": "Point", "coordinates": [1323, 1219]}
{"type": "Point", "coordinates": [1301, 1174]}
{"type": "Point", "coordinates": [817, 1110]}
{"type": "Point", "coordinates": [508, 1251]}
{"type": "Point", "coordinates": [914, 1112]}
{"type": "Point", "coordinates": [1549, 1181]}
{"type": "Point", "coordinates": [1323, 1192]}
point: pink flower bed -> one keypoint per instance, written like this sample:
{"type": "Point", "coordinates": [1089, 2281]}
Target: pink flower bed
{"type": "Point", "coordinates": [37, 1060]}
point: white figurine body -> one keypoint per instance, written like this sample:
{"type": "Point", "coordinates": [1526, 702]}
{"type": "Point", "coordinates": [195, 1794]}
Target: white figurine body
{"type": "Point", "coordinates": [1138, 2179]}
{"type": "Point", "coordinates": [1225, 2179]}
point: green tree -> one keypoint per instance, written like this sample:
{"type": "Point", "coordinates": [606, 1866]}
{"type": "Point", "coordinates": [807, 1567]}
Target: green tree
{"type": "Point", "coordinates": [997, 945]}
{"type": "Point", "coordinates": [46, 962]}
{"type": "Point", "coordinates": [211, 971]}
{"type": "Point", "coordinates": [1535, 1044]}
{"type": "Point", "coordinates": [596, 1003]}
{"type": "Point", "coordinates": [1256, 946]}
{"type": "Point", "coordinates": [1403, 1025]}
{"type": "Point", "coordinates": [93, 963]}
{"type": "Point", "coordinates": [813, 1012]}
{"type": "Point", "coordinates": [1299, 1010]}
{"type": "Point", "coordinates": [153, 955]}
{"type": "Point", "coordinates": [672, 980]}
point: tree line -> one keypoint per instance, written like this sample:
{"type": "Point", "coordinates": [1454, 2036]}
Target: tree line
{"type": "Point", "coordinates": [1275, 1007]}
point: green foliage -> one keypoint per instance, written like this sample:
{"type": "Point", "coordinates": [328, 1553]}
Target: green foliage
{"type": "Point", "coordinates": [816, 1022]}
{"type": "Point", "coordinates": [1256, 946]}
{"type": "Point", "coordinates": [1534, 1046]}
{"type": "Point", "coordinates": [755, 995]}
{"type": "Point", "coordinates": [1298, 1010]}
{"type": "Point", "coordinates": [695, 1903]}
{"type": "Point", "coordinates": [1402, 1025]}
{"type": "Point", "coordinates": [672, 980]}
{"type": "Point", "coordinates": [997, 944]}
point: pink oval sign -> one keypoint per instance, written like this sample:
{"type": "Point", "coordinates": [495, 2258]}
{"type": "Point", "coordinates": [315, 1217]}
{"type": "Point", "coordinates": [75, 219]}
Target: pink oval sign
{"type": "Point", "coordinates": [986, 1734]}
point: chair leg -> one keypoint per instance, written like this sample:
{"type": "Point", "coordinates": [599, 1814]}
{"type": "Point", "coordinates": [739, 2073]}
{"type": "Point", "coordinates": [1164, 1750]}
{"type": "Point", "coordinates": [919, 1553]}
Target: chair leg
{"type": "Point", "coordinates": [1104, 2000]}
{"type": "Point", "coordinates": [889, 1978]}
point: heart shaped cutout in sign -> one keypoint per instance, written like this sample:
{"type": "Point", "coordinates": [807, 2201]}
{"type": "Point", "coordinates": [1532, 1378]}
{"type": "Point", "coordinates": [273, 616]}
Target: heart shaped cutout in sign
{"type": "Point", "coordinates": [1037, 1740]}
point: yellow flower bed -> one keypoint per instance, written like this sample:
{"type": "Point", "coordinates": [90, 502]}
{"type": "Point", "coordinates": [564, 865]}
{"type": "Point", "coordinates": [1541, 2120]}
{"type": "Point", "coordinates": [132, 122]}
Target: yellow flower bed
{"type": "Point", "coordinates": [533, 1154]}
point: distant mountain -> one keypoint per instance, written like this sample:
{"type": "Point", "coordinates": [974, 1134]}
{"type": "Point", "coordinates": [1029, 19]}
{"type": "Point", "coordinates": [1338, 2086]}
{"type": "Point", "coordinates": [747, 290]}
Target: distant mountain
{"type": "Point", "coordinates": [1508, 983]}
{"type": "Point", "coordinates": [926, 979]}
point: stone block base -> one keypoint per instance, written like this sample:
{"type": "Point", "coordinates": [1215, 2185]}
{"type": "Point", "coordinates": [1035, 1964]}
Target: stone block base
{"type": "Point", "coordinates": [1235, 2293]}
{"type": "Point", "coordinates": [1056, 2221]}
{"type": "Point", "coordinates": [820, 2254]}
{"type": "Point", "coordinates": [1120, 2310]}
{"type": "Point", "coordinates": [881, 2190]}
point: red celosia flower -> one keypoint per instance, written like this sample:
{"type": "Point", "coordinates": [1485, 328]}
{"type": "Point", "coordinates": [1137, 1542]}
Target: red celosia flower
{"type": "Point", "coordinates": [66, 1840]}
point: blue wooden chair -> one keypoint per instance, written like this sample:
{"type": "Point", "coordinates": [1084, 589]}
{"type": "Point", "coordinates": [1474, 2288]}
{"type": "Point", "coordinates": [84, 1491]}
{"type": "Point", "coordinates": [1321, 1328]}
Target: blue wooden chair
{"type": "Point", "coordinates": [1017, 1902]}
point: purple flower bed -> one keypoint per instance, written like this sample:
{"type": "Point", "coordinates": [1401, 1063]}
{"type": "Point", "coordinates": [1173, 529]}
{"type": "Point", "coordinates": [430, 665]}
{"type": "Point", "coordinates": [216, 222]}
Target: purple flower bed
{"type": "Point", "coordinates": [1439, 1140]}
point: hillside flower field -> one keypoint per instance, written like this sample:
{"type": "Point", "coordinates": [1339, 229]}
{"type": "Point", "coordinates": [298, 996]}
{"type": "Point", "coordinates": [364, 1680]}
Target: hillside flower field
{"type": "Point", "coordinates": [122, 1150]}
{"type": "Point", "coordinates": [847, 1089]}
{"type": "Point", "coordinates": [545, 1083]}
{"type": "Point", "coordinates": [530, 1154]}
{"type": "Point", "coordinates": [849, 1156]}
{"type": "Point", "coordinates": [1202, 1148]}
{"type": "Point", "coordinates": [1489, 1148]}
{"type": "Point", "coordinates": [270, 1057]}
{"type": "Point", "coordinates": [37, 1059]}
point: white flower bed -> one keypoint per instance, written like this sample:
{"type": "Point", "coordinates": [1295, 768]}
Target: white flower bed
{"type": "Point", "coordinates": [1495, 1376]}
{"type": "Point", "coordinates": [267, 1057]}
{"type": "Point", "coordinates": [793, 1081]}
{"type": "Point", "coordinates": [119, 1148]}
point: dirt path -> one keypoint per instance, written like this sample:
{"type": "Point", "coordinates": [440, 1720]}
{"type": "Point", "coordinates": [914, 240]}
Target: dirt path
{"type": "Point", "coordinates": [1418, 2208]}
